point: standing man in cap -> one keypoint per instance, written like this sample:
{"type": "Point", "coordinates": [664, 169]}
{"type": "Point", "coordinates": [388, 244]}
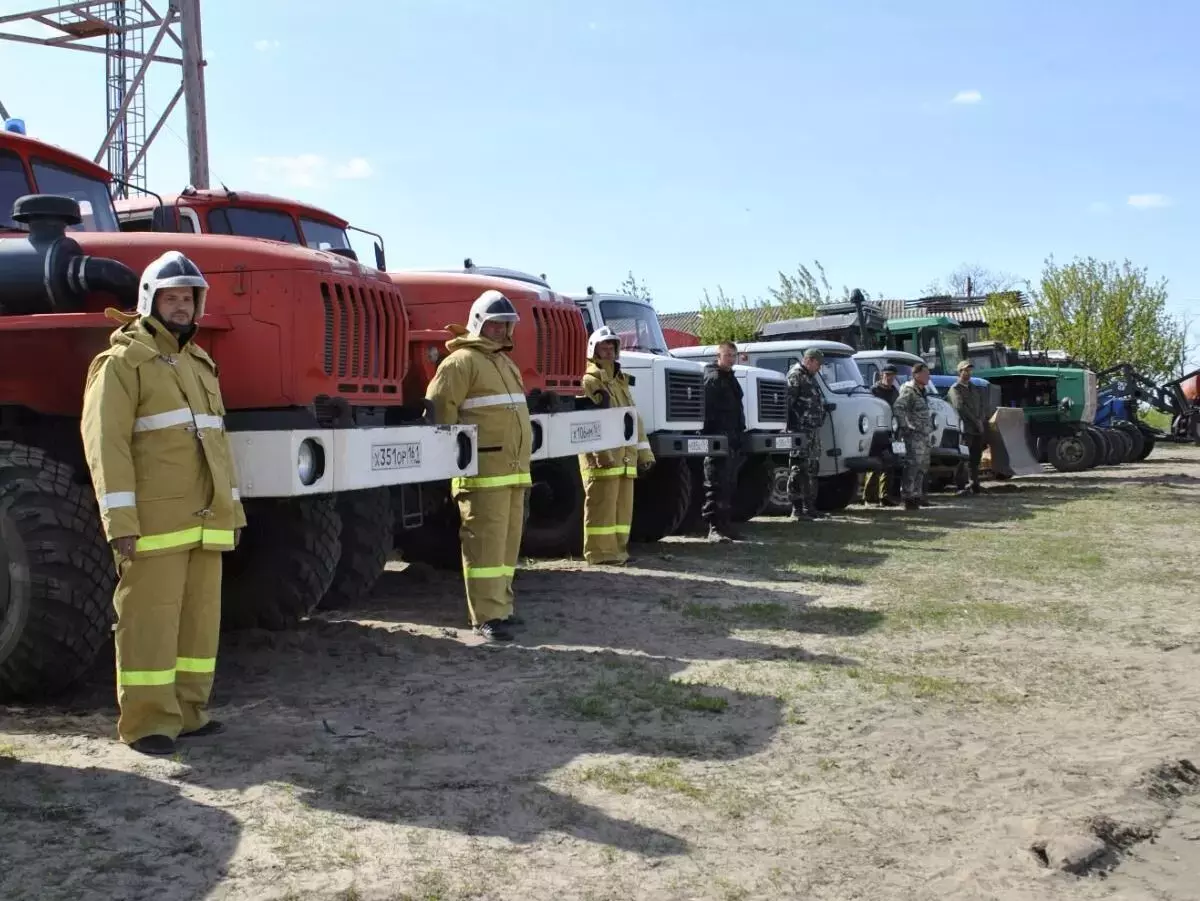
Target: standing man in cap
{"type": "Point", "coordinates": [806, 415]}
{"type": "Point", "coordinates": [883, 484]}
{"type": "Point", "coordinates": [477, 384]}
{"type": "Point", "coordinates": [914, 421]}
{"type": "Point", "coordinates": [162, 468]}
{"type": "Point", "coordinates": [970, 401]}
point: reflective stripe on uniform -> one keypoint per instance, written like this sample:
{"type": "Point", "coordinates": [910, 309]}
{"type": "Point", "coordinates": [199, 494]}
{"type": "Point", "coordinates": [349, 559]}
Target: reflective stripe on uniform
{"type": "Point", "coordinates": [611, 472]}
{"type": "Point", "coordinates": [211, 538]}
{"type": "Point", "coordinates": [237, 495]}
{"type": "Point", "coordinates": [643, 445]}
{"type": "Point", "coordinates": [180, 416]}
{"type": "Point", "coordinates": [606, 530]}
{"type": "Point", "coordinates": [146, 677]}
{"type": "Point", "coordinates": [489, 572]}
{"type": "Point", "coordinates": [115, 500]}
{"type": "Point", "coordinates": [196, 664]}
{"type": "Point", "coordinates": [492, 400]}
{"type": "Point", "coordinates": [515, 480]}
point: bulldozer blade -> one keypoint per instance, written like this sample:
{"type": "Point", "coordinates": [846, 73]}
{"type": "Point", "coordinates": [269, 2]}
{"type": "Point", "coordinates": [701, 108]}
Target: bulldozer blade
{"type": "Point", "coordinates": [1008, 444]}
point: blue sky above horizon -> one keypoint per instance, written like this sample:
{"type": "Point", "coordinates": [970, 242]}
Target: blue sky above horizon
{"type": "Point", "coordinates": [698, 143]}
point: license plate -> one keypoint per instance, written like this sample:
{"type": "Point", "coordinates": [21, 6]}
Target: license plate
{"type": "Point", "coordinates": [964, 450]}
{"type": "Point", "coordinates": [697, 446]}
{"type": "Point", "coordinates": [783, 443]}
{"type": "Point", "coordinates": [898, 447]}
{"type": "Point", "coordinates": [583, 432]}
{"type": "Point", "coordinates": [395, 456]}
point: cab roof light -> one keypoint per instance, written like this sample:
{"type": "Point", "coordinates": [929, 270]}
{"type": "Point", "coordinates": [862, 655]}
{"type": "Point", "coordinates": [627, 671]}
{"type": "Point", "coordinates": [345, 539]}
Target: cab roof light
{"type": "Point", "coordinates": [16, 126]}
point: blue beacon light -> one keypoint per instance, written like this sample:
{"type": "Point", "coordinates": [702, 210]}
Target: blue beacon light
{"type": "Point", "coordinates": [16, 126]}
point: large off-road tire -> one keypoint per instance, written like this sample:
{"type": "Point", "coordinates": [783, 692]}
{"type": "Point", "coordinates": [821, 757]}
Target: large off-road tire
{"type": "Point", "coordinates": [1137, 438]}
{"type": "Point", "coordinates": [779, 502]}
{"type": "Point", "coordinates": [837, 492]}
{"type": "Point", "coordinates": [753, 488]}
{"type": "Point", "coordinates": [1100, 439]}
{"type": "Point", "coordinates": [1147, 446]}
{"type": "Point", "coordinates": [661, 499]}
{"type": "Point", "coordinates": [554, 527]}
{"type": "Point", "coordinates": [56, 592]}
{"type": "Point", "coordinates": [1072, 453]}
{"type": "Point", "coordinates": [284, 564]}
{"type": "Point", "coordinates": [435, 542]}
{"type": "Point", "coordinates": [367, 541]}
{"type": "Point", "coordinates": [1122, 446]}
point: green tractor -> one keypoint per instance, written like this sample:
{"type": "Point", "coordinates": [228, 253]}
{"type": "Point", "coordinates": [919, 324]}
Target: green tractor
{"type": "Point", "coordinates": [1059, 400]}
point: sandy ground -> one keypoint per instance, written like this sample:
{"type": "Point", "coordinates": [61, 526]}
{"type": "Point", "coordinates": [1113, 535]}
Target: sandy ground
{"type": "Point", "coordinates": [995, 698]}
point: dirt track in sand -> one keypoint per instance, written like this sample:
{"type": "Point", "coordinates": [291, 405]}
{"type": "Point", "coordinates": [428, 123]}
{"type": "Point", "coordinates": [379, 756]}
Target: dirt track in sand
{"type": "Point", "coordinates": [892, 706]}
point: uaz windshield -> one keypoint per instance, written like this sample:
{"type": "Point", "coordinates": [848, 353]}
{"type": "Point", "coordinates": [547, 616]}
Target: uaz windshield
{"type": "Point", "coordinates": [636, 324]}
{"type": "Point", "coordinates": [841, 374]}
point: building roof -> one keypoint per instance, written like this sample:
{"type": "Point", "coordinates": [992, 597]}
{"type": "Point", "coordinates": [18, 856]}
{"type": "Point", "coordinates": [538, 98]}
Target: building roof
{"type": "Point", "coordinates": [964, 310]}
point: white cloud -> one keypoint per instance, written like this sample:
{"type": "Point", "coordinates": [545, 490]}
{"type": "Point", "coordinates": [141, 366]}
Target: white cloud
{"type": "Point", "coordinates": [1149, 201]}
{"type": "Point", "coordinates": [266, 46]}
{"type": "Point", "coordinates": [309, 170]}
{"type": "Point", "coordinates": [354, 168]}
{"type": "Point", "coordinates": [967, 97]}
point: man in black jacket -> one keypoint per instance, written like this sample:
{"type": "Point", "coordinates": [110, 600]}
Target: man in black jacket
{"type": "Point", "coordinates": [883, 486]}
{"type": "Point", "coordinates": [724, 415]}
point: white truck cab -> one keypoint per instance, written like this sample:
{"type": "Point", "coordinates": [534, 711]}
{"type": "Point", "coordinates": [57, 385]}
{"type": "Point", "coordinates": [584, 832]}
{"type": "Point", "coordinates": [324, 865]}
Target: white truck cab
{"type": "Point", "coordinates": [857, 435]}
{"type": "Point", "coordinates": [948, 454]}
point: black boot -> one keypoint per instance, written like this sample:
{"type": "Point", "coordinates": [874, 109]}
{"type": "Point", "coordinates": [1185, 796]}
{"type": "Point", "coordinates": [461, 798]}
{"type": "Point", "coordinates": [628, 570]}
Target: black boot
{"type": "Point", "coordinates": [912, 504]}
{"type": "Point", "coordinates": [716, 535]}
{"type": "Point", "coordinates": [800, 513]}
{"type": "Point", "coordinates": [495, 630]}
{"type": "Point", "coordinates": [212, 727]}
{"type": "Point", "coordinates": [154, 745]}
{"type": "Point", "coordinates": [513, 621]}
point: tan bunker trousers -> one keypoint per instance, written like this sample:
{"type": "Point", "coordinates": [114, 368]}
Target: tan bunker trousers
{"type": "Point", "coordinates": [492, 524]}
{"type": "Point", "coordinates": [168, 625]}
{"type": "Point", "coordinates": [607, 513]}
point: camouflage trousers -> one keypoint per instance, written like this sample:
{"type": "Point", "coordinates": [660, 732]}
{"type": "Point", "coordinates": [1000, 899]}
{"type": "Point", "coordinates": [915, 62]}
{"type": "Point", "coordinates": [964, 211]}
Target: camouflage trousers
{"type": "Point", "coordinates": [916, 466]}
{"type": "Point", "coordinates": [805, 462]}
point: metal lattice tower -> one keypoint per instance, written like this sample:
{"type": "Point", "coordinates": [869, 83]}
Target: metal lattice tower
{"type": "Point", "coordinates": [78, 24]}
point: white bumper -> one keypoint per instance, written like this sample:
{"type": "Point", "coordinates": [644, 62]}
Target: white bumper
{"type": "Point", "coordinates": [582, 432]}
{"type": "Point", "coordinates": [268, 462]}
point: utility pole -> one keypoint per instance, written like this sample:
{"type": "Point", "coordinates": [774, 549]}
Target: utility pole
{"type": "Point", "coordinates": [73, 24]}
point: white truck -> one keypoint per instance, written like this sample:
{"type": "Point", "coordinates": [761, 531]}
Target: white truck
{"type": "Point", "coordinates": [948, 454]}
{"type": "Point", "coordinates": [857, 435]}
{"type": "Point", "coordinates": [764, 392]}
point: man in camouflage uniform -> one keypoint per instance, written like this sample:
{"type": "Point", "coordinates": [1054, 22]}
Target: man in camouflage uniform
{"type": "Point", "coordinates": [806, 415]}
{"type": "Point", "coordinates": [914, 422]}
{"type": "Point", "coordinates": [970, 402]}
{"type": "Point", "coordinates": [880, 486]}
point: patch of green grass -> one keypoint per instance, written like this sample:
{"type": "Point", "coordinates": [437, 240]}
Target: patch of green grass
{"type": "Point", "coordinates": [630, 691]}
{"type": "Point", "coordinates": [10, 752]}
{"type": "Point", "coordinates": [923, 686]}
{"type": "Point", "coordinates": [623, 778]}
{"type": "Point", "coordinates": [926, 613]}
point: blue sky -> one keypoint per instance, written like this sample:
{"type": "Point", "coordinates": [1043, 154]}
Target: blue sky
{"type": "Point", "coordinates": [697, 143]}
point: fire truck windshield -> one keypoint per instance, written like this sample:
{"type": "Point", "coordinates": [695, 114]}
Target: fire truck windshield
{"type": "Point", "coordinates": [636, 323]}
{"type": "Point", "coordinates": [253, 223]}
{"type": "Point", "coordinates": [317, 233]}
{"type": "Point", "coordinates": [95, 204]}
{"type": "Point", "coordinates": [13, 184]}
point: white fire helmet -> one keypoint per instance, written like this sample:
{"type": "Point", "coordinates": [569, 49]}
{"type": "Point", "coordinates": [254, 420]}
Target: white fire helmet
{"type": "Point", "coordinates": [171, 270]}
{"type": "Point", "coordinates": [491, 306]}
{"type": "Point", "coordinates": [599, 336]}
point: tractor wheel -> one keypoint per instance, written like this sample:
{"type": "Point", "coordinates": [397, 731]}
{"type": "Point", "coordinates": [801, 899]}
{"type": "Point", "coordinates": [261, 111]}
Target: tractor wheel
{"type": "Point", "coordinates": [1147, 445]}
{"type": "Point", "coordinates": [779, 502]}
{"type": "Point", "coordinates": [555, 524]}
{"type": "Point", "coordinates": [1100, 439]}
{"type": "Point", "coordinates": [1124, 443]}
{"type": "Point", "coordinates": [1072, 453]}
{"type": "Point", "coordinates": [435, 542]}
{"type": "Point", "coordinates": [1115, 447]}
{"type": "Point", "coordinates": [1135, 438]}
{"type": "Point", "coordinates": [284, 564]}
{"type": "Point", "coordinates": [367, 523]}
{"type": "Point", "coordinates": [753, 489]}
{"type": "Point", "coordinates": [661, 500]}
{"type": "Point", "coordinates": [837, 492]}
{"type": "Point", "coordinates": [56, 596]}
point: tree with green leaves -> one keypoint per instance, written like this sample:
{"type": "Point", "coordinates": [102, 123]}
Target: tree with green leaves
{"type": "Point", "coordinates": [1106, 313]}
{"type": "Point", "coordinates": [724, 319]}
{"type": "Point", "coordinates": [1007, 315]}
{"type": "Point", "coordinates": [631, 287]}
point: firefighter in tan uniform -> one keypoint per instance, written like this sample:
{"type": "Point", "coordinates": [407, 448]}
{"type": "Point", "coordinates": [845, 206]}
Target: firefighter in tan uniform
{"type": "Point", "coordinates": [477, 384]}
{"type": "Point", "coordinates": [163, 472]}
{"type": "Point", "coordinates": [608, 476]}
